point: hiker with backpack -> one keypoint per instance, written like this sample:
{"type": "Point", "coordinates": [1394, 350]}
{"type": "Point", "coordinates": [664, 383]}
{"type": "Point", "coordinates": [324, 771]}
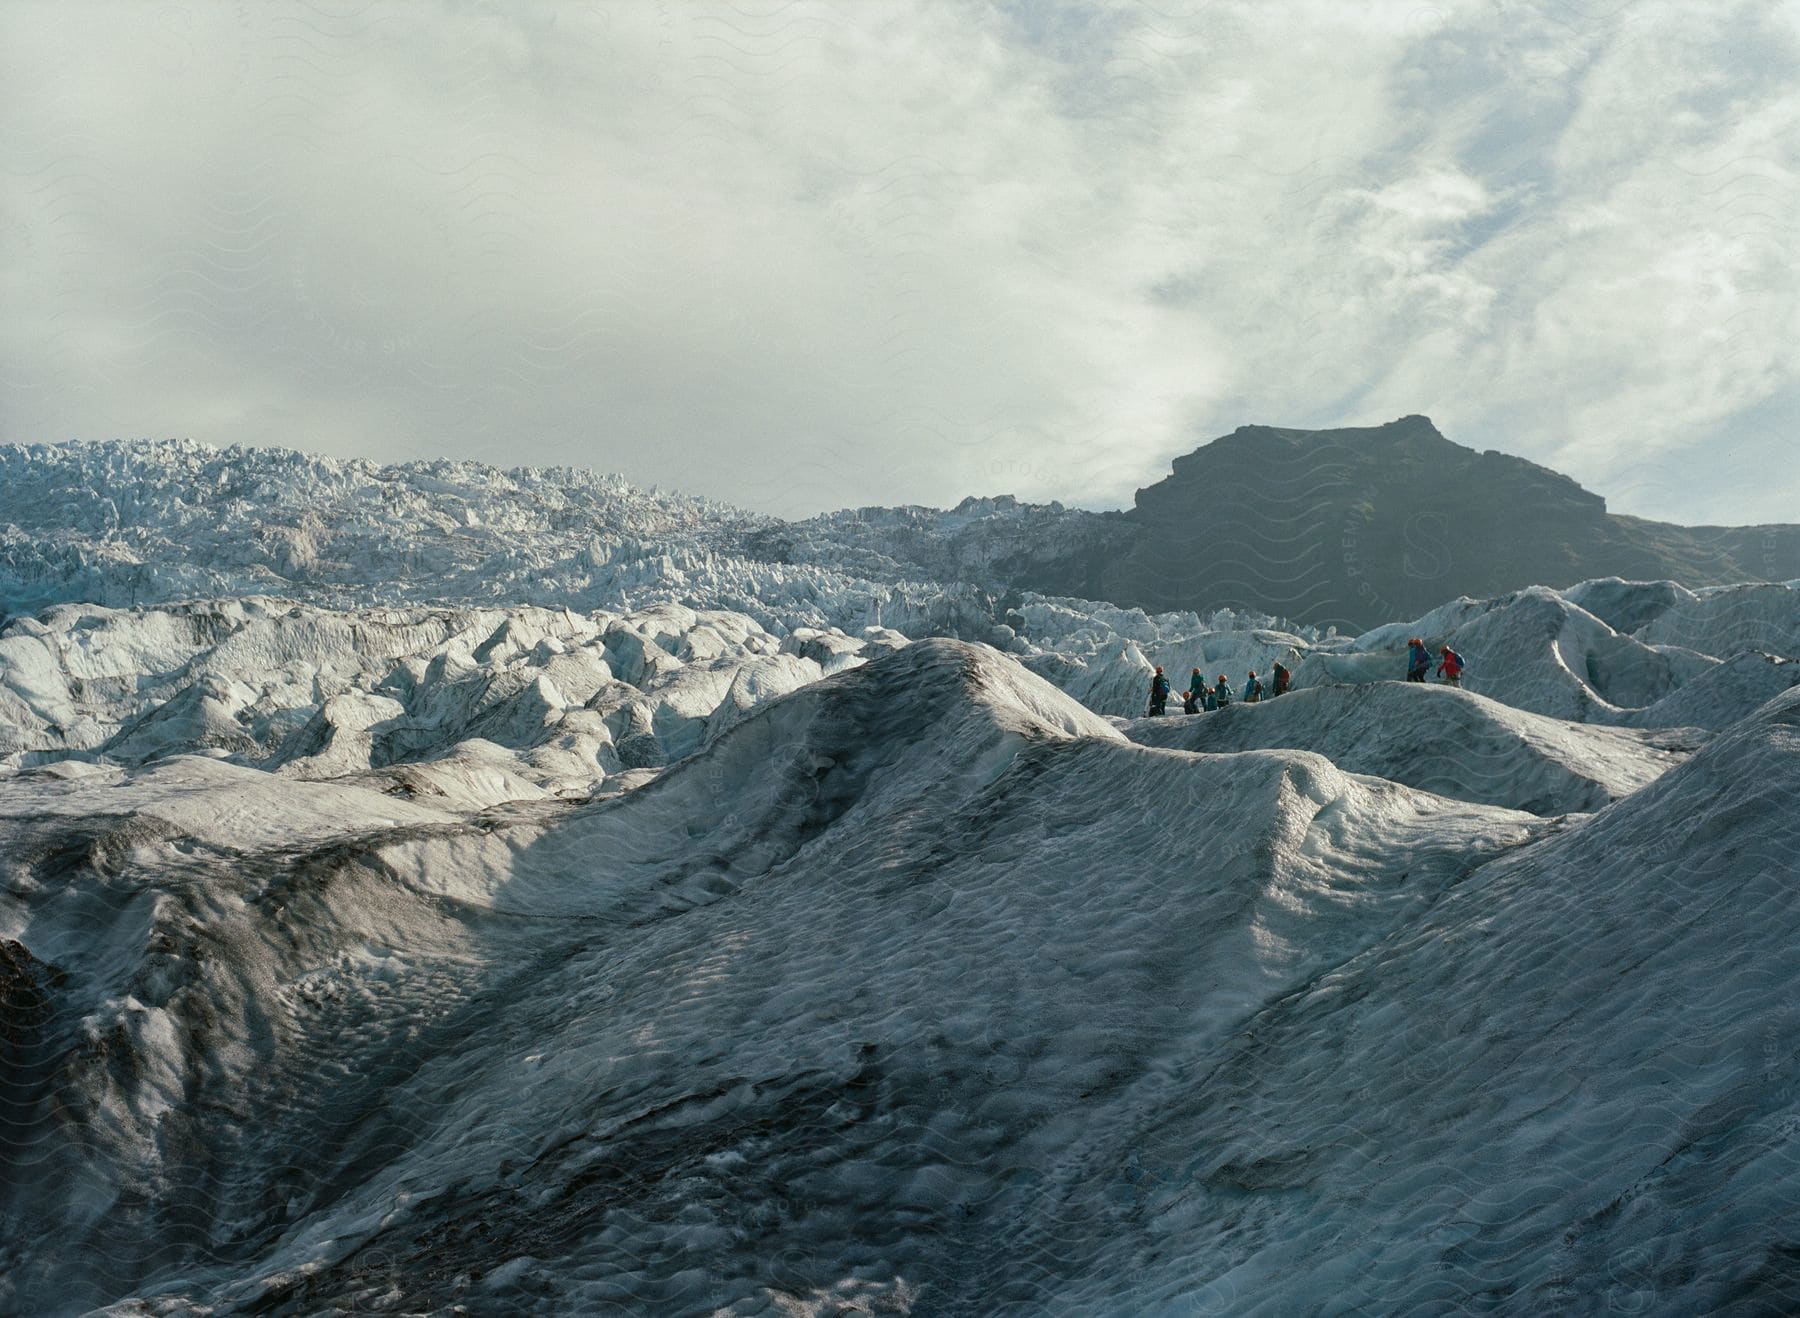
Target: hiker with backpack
{"type": "Point", "coordinates": [1159, 693]}
{"type": "Point", "coordinates": [1283, 679]}
{"type": "Point", "coordinates": [1211, 702]}
{"type": "Point", "coordinates": [1451, 667]}
{"type": "Point", "coordinates": [1418, 660]}
{"type": "Point", "coordinates": [1252, 689]}
{"type": "Point", "coordinates": [1196, 693]}
{"type": "Point", "coordinates": [1222, 692]}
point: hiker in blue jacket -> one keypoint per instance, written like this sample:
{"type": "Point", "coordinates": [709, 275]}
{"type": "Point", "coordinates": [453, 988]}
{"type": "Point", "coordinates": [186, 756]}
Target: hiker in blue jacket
{"type": "Point", "coordinates": [1252, 689]}
{"type": "Point", "coordinates": [1222, 692]}
{"type": "Point", "coordinates": [1196, 693]}
{"type": "Point", "coordinates": [1418, 660]}
{"type": "Point", "coordinates": [1159, 692]}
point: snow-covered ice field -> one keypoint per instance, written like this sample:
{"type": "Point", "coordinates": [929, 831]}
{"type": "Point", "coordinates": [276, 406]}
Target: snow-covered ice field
{"type": "Point", "coordinates": [719, 943]}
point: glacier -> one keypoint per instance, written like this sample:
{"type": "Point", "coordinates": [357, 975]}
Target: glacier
{"type": "Point", "coordinates": [518, 896]}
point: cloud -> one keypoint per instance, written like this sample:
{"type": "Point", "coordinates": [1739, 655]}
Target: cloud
{"type": "Point", "coordinates": [806, 255]}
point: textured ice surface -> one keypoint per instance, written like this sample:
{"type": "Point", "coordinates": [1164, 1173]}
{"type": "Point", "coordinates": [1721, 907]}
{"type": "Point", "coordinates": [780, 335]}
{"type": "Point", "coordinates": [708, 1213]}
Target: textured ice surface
{"type": "Point", "coordinates": [1451, 742]}
{"type": "Point", "coordinates": [500, 891]}
{"type": "Point", "coordinates": [921, 989]}
{"type": "Point", "coordinates": [545, 696]}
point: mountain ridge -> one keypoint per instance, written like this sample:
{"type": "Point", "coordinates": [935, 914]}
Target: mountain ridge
{"type": "Point", "coordinates": [1346, 527]}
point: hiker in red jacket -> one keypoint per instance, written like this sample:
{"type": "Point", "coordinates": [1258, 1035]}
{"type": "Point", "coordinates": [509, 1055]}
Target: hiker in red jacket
{"type": "Point", "coordinates": [1450, 667]}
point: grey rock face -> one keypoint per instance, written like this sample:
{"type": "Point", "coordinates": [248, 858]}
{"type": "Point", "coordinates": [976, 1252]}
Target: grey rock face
{"type": "Point", "coordinates": [1351, 527]}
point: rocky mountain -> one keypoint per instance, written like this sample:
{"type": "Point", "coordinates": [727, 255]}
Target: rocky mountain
{"type": "Point", "coordinates": [1354, 527]}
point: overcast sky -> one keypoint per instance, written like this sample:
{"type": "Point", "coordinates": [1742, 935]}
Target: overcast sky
{"type": "Point", "coordinates": [802, 256]}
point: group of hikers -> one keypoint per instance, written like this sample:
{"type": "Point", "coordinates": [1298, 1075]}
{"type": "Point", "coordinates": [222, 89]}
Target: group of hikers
{"type": "Point", "coordinates": [1199, 696]}
{"type": "Point", "coordinates": [1418, 662]}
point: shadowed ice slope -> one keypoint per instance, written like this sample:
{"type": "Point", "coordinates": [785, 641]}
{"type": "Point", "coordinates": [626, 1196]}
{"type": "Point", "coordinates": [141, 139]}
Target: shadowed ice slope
{"type": "Point", "coordinates": [859, 1005]}
{"type": "Point", "coordinates": [1626, 606]}
{"type": "Point", "coordinates": [1720, 695]}
{"type": "Point", "coordinates": [1728, 621]}
{"type": "Point", "coordinates": [1452, 742]}
{"type": "Point", "coordinates": [1567, 1087]}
